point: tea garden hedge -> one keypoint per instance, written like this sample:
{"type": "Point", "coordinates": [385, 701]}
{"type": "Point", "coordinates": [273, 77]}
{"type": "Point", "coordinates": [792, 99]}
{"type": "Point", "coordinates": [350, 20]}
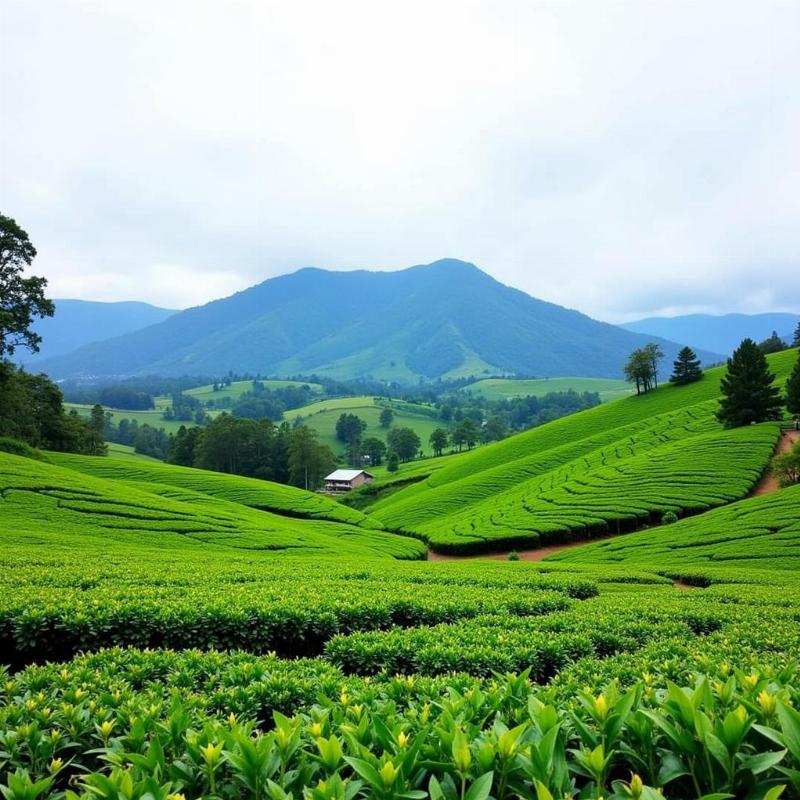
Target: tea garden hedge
{"type": "Point", "coordinates": [180, 634]}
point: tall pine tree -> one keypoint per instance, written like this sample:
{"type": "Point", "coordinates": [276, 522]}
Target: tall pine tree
{"type": "Point", "coordinates": [796, 340]}
{"type": "Point", "coordinates": [747, 392]}
{"type": "Point", "coordinates": [793, 389]}
{"type": "Point", "coordinates": [686, 368]}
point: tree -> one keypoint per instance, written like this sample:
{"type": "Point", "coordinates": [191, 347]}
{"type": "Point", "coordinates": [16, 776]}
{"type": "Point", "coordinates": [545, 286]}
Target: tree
{"type": "Point", "coordinates": [786, 466]}
{"type": "Point", "coordinates": [438, 441]}
{"type": "Point", "coordinates": [774, 344]}
{"type": "Point", "coordinates": [639, 370]}
{"type": "Point", "coordinates": [655, 354]}
{"type": "Point", "coordinates": [349, 425]}
{"type": "Point", "coordinates": [21, 299]}
{"type": "Point", "coordinates": [748, 395]}
{"type": "Point", "coordinates": [392, 463]}
{"type": "Point", "coordinates": [796, 339]}
{"type": "Point", "coordinates": [375, 448]}
{"type": "Point", "coordinates": [386, 417]}
{"type": "Point", "coordinates": [404, 442]}
{"type": "Point", "coordinates": [469, 432]}
{"type": "Point", "coordinates": [95, 443]}
{"type": "Point", "coordinates": [495, 429]}
{"type": "Point", "coordinates": [465, 433]}
{"type": "Point", "coordinates": [309, 461]}
{"type": "Point", "coordinates": [686, 368]}
{"type": "Point", "coordinates": [182, 445]}
{"type": "Point", "coordinates": [793, 389]}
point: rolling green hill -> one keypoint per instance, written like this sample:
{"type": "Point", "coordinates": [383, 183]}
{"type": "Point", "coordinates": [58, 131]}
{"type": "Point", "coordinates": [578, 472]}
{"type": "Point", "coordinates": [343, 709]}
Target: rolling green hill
{"type": "Point", "coordinates": [153, 417]}
{"type": "Point", "coordinates": [322, 416]}
{"type": "Point", "coordinates": [237, 388]}
{"type": "Point", "coordinates": [96, 503]}
{"type": "Point", "coordinates": [504, 388]}
{"type": "Point", "coordinates": [611, 468]}
{"type": "Point", "coordinates": [760, 531]}
{"type": "Point", "coordinates": [446, 319]}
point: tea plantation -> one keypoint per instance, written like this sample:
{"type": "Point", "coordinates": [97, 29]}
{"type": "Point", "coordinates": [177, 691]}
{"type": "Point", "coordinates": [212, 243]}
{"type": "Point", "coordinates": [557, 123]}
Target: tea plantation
{"type": "Point", "coordinates": [606, 470]}
{"type": "Point", "coordinates": [171, 633]}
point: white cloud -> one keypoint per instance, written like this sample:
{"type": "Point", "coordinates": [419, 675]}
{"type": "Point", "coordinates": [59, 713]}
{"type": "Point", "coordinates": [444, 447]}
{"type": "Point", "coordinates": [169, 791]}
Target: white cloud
{"type": "Point", "coordinates": [618, 157]}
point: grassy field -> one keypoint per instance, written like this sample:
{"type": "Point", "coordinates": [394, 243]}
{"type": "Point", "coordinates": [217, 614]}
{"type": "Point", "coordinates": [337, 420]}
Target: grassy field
{"type": "Point", "coordinates": [153, 417]}
{"type": "Point", "coordinates": [504, 388]}
{"type": "Point", "coordinates": [211, 636]}
{"type": "Point", "coordinates": [237, 388]}
{"type": "Point", "coordinates": [125, 451]}
{"type": "Point", "coordinates": [322, 416]}
{"type": "Point", "coordinates": [609, 469]}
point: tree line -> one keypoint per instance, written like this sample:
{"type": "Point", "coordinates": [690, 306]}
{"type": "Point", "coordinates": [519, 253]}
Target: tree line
{"type": "Point", "coordinates": [255, 449]}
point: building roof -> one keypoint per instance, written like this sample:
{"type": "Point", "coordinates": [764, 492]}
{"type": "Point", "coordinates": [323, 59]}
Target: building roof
{"type": "Point", "coordinates": [346, 474]}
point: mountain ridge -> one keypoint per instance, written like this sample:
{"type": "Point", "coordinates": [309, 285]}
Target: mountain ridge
{"type": "Point", "coordinates": [720, 333]}
{"type": "Point", "coordinates": [76, 323]}
{"type": "Point", "coordinates": [444, 319]}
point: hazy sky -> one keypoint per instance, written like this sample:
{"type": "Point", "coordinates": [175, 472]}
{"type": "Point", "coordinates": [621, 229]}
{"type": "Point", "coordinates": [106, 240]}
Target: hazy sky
{"type": "Point", "coordinates": [622, 158]}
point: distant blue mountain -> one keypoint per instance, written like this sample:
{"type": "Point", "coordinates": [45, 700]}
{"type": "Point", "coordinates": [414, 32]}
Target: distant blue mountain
{"type": "Point", "coordinates": [446, 319]}
{"type": "Point", "coordinates": [720, 334]}
{"type": "Point", "coordinates": [80, 322]}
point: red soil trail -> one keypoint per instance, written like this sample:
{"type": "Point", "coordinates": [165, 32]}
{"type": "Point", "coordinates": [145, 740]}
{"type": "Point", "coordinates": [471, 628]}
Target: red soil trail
{"type": "Point", "coordinates": [769, 482]}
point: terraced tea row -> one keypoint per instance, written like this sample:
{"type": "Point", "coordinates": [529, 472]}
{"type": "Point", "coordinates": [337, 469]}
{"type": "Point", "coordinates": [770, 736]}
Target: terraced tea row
{"type": "Point", "coordinates": [54, 603]}
{"type": "Point", "coordinates": [46, 506]}
{"type": "Point", "coordinates": [608, 469]}
{"type": "Point", "coordinates": [618, 622]}
{"type": "Point", "coordinates": [613, 489]}
{"type": "Point", "coordinates": [262, 495]}
{"type": "Point", "coordinates": [761, 531]}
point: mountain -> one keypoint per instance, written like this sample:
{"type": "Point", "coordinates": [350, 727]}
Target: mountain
{"type": "Point", "coordinates": [720, 334]}
{"type": "Point", "coordinates": [79, 322]}
{"type": "Point", "coordinates": [442, 319]}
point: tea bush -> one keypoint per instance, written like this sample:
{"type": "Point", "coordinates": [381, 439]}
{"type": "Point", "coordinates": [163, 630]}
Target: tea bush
{"type": "Point", "coordinates": [135, 725]}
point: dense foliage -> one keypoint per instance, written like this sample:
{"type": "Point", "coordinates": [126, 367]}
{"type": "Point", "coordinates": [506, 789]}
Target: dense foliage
{"type": "Point", "coordinates": [254, 448]}
{"type": "Point", "coordinates": [32, 410]}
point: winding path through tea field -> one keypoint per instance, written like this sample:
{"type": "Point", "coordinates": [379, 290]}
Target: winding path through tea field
{"type": "Point", "coordinates": [767, 484]}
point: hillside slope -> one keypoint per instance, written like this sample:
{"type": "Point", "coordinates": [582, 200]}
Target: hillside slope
{"type": "Point", "coordinates": [103, 503]}
{"type": "Point", "coordinates": [609, 469]}
{"type": "Point", "coordinates": [79, 322]}
{"type": "Point", "coordinates": [442, 319]}
{"type": "Point", "coordinates": [721, 334]}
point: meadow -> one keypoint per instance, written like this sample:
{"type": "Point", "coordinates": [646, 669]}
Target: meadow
{"type": "Point", "coordinates": [153, 417]}
{"type": "Point", "coordinates": [505, 388]}
{"type": "Point", "coordinates": [236, 389]}
{"type": "Point", "coordinates": [322, 416]}
{"type": "Point", "coordinates": [174, 633]}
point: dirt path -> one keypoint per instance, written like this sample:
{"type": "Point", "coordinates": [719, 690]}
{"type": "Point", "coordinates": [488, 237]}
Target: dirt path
{"type": "Point", "coordinates": [769, 483]}
{"type": "Point", "coordinates": [537, 554]}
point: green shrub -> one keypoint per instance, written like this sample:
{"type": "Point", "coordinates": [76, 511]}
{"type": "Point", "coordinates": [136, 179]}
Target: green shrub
{"type": "Point", "coordinates": [18, 448]}
{"type": "Point", "coordinates": [669, 518]}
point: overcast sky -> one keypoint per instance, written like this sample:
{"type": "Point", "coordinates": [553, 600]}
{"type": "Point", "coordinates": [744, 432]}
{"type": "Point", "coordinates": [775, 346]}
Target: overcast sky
{"type": "Point", "coordinates": [621, 158]}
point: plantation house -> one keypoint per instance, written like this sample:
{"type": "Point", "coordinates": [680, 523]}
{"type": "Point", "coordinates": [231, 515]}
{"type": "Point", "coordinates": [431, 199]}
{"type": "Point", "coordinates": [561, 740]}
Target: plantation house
{"type": "Point", "coordinates": [343, 480]}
